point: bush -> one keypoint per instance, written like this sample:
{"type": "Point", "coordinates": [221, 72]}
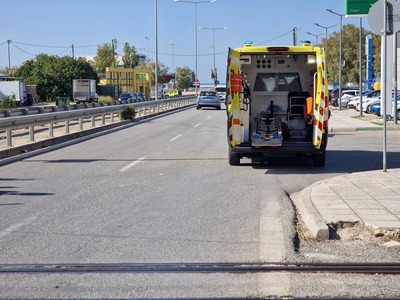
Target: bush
{"type": "Point", "coordinates": [129, 113]}
{"type": "Point", "coordinates": [8, 102]}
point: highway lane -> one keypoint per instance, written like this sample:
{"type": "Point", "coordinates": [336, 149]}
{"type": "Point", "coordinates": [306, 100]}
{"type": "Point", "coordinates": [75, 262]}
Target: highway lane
{"type": "Point", "coordinates": [161, 191]}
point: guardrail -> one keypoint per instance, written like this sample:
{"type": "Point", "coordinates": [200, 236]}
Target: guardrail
{"type": "Point", "coordinates": [50, 115]}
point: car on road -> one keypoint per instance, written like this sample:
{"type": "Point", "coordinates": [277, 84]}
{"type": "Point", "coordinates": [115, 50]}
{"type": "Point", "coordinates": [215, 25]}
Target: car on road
{"type": "Point", "coordinates": [127, 97]}
{"type": "Point", "coordinates": [208, 99]}
{"type": "Point", "coordinates": [171, 93]}
{"type": "Point", "coordinates": [221, 90]}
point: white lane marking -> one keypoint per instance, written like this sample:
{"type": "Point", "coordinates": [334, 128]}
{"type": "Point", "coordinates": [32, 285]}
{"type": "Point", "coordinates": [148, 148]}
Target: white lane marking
{"type": "Point", "coordinates": [175, 138]}
{"type": "Point", "coordinates": [132, 164]}
{"type": "Point", "coordinates": [15, 227]}
{"type": "Point", "coordinates": [197, 125]}
{"type": "Point", "coordinates": [209, 117]}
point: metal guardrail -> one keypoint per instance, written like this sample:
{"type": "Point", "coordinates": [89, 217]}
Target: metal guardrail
{"type": "Point", "coordinates": [50, 115]}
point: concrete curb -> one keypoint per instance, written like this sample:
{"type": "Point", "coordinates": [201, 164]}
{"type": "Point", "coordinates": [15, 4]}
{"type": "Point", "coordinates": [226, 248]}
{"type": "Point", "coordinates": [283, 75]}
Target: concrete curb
{"type": "Point", "coordinates": [311, 216]}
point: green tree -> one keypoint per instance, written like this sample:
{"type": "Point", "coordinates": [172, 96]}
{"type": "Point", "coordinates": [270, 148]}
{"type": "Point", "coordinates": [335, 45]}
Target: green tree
{"type": "Point", "coordinates": [53, 75]}
{"type": "Point", "coordinates": [130, 59]}
{"type": "Point", "coordinates": [182, 77]}
{"type": "Point", "coordinates": [350, 54]}
{"type": "Point", "coordinates": [162, 70]}
{"type": "Point", "coordinates": [104, 58]}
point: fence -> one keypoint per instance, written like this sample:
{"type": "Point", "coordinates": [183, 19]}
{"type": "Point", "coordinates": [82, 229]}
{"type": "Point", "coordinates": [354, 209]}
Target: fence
{"type": "Point", "coordinates": [29, 118]}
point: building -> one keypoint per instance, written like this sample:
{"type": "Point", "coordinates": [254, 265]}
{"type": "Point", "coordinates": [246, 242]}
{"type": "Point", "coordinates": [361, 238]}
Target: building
{"type": "Point", "coordinates": [129, 80]}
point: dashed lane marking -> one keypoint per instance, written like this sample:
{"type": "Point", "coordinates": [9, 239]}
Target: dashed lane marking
{"type": "Point", "coordinates": [132, 164]}
{"type": "Point", "coordinates": [175, 138]}
{"type": "Point", "coordinates": [15, 227]}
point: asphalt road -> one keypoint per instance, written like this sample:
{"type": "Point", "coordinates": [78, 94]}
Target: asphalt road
{"type": "Point", "coordinates": [159, 191]}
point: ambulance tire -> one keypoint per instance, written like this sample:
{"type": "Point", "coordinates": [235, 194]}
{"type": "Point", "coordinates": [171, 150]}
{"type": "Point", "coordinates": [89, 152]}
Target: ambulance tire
{"type": "Point", "coordinates": [319, 159]}
{"type": "Point", "coordinates": [234, 158]}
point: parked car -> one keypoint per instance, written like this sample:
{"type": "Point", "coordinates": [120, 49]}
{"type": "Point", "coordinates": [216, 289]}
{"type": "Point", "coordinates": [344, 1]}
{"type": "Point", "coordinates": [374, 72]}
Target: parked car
{"type": "Point", "coordinates": [368, 101]}
{"type": "Point", "coordinates": [208, 99]}
{"type": "Point", "coordinates": [376, 108]}
{"type": "Point", "coordinates": [141, 97]}
{"type": "Point", "coordinates": [127, 97]}
{"type": "Point", "coordinates": [346, 97]}
{"type": "Point", "coordinates": [354, 102]}
{"type": "Point", "coordinates": [334, 95]}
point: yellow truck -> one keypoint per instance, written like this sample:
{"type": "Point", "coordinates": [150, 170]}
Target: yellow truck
{"type": "Point", "coordinates": [277, 102]}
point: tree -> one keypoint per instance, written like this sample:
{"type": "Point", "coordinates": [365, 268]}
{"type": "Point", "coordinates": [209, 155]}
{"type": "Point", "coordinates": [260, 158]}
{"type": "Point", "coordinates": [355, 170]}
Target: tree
{"type": "Point", "coordinates": [130, 59]}
{"type": "Point", "coordinates": [183, 77]}
{"type": "Point", "coordinates": [53, 75]}
{"type": "Point", "coordinates": [162, 70]}
{"type": "Point", "coordinates": [350, 54]}
{"type": "Point", "coordinates": [104, 58]}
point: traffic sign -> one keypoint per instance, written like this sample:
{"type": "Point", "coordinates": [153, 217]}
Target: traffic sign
{"type": "Point", "coordinates": [357, 8]}
{"type": "Point", "coordinates": [376, 17]}
{"type": "Point", "coordinates": [196, 83]}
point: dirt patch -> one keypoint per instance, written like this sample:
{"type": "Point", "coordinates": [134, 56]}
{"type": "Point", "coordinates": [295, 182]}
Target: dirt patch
{"type": "Point", "coordinates": [343, 231]}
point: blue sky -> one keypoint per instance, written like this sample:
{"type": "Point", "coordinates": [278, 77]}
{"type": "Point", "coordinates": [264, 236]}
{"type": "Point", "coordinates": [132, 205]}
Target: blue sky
{"type": "Point", "coordinates": [54, 25]}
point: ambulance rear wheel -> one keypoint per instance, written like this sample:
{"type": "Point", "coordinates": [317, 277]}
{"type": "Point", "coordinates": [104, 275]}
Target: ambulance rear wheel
{"type": "Point", "coordinates": [234, 158]}
{"type": "Point", "coordinates": [319, 159]}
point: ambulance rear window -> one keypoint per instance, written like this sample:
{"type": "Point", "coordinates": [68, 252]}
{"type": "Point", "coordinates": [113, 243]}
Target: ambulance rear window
{"type": "Point", "coordinates": [277, 82]}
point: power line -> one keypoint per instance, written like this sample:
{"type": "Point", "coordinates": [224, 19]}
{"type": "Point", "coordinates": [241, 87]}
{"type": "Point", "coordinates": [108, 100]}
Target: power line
{"type": "Point", "coordinates": [274, 38]}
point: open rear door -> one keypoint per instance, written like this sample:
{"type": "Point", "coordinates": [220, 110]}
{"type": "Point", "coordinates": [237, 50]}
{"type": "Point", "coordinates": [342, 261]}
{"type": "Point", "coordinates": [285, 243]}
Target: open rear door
{"type": "Point", "coordinates": [234, 88]}
{"type": "Point", "coordinates": [321, 99]}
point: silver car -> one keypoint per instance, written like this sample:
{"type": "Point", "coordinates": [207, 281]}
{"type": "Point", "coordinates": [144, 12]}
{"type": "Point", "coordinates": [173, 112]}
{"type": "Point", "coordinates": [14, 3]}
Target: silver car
{"type": "Point", "coordinates": [208, 99]}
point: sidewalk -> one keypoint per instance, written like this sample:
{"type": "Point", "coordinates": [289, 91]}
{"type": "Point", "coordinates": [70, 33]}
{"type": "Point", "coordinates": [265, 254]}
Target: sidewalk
{"type": "Point", "coordinates": [372, 197]}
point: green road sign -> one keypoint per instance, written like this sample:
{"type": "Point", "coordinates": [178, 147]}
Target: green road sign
{"type": "Point", "coordinates": [358, 7]}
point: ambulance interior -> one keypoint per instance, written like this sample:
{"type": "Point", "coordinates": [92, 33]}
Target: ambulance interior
{"type": "Point", "coordinates": [278, 97]}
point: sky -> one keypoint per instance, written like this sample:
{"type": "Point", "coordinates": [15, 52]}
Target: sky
{"type": "Point", "coordinates": [53, 26]}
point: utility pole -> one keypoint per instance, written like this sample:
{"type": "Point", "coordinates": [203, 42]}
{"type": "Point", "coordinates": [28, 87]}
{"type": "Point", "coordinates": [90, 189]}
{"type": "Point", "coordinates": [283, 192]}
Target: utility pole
{"type": "Point", "coordinates": [9, 56]}
{"type": "Point", "coordinates": [73, 51]}
{"type": "Point", "coordinates": [295, 36]}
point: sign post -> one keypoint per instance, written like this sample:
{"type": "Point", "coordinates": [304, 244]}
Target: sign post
{"type": "Point", "coordinates": [384, 19]}
{"type": "Point", "coordinates": [358, 8]}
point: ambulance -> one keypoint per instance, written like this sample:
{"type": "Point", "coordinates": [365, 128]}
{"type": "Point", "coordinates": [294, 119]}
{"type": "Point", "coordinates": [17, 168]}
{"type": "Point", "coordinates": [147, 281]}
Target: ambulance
{"type": "Point", "coordinates": [277, 103]}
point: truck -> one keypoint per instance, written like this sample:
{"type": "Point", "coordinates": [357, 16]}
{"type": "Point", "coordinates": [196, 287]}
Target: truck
{"type": "Point", "coordinates": [277, 103]}
{"type": "Point", "coordinates": [84, 90]}
{"type": "Point", "coordinates": [14, 87]}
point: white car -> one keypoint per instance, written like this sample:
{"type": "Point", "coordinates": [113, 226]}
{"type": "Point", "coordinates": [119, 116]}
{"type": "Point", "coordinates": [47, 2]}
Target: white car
{"type": "Point", "coordinates": [355, 102]}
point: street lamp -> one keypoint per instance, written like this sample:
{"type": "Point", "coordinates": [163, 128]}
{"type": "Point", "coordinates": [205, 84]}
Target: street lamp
{"type": "Point", "coordinates": [340, 55]}
{"type": "Point", "coordinates": [195, 22]}
{"type": "Point", "coordinates": [316, 36]}
{"type": "Point", "coordinates": [173, 45]}
{"type": "Point", "coordinates": [147, 47]}
{"type": "Point", "coordinates": [213, 30]}
{"type": "Point", "coordinates": [326, 34]}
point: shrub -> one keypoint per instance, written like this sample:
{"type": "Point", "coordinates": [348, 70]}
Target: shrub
{"type": "Point", "coordinates": [129, 113]}
{"type": "Point", "coordinates": [8, 102]}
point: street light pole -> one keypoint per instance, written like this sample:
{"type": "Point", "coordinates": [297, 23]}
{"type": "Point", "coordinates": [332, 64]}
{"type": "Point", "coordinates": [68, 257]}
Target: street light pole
{"type": "Point", "coordinates": [147, 47]}
{"type": "Point", "coordinates": [195, 23]}
{"type": "Point", "coordinates": [326, 34]}
{"type": "Point", "coordinates": [156, 62]}
{"type": "Point", "coordinates": [213, 30]}
{"type": "Point", "coordinates": [326, 45]}
{"type": "Point", "coordinates": [172, 45]}
{"type": "Point", "coordinates": [315, 35]}
{"type": "Point", "coordinates": [340, 56]}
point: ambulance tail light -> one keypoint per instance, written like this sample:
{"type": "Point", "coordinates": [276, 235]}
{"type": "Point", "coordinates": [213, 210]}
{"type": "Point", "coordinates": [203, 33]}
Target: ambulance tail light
{"type": "Point", "coordinates": [277, 49]}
